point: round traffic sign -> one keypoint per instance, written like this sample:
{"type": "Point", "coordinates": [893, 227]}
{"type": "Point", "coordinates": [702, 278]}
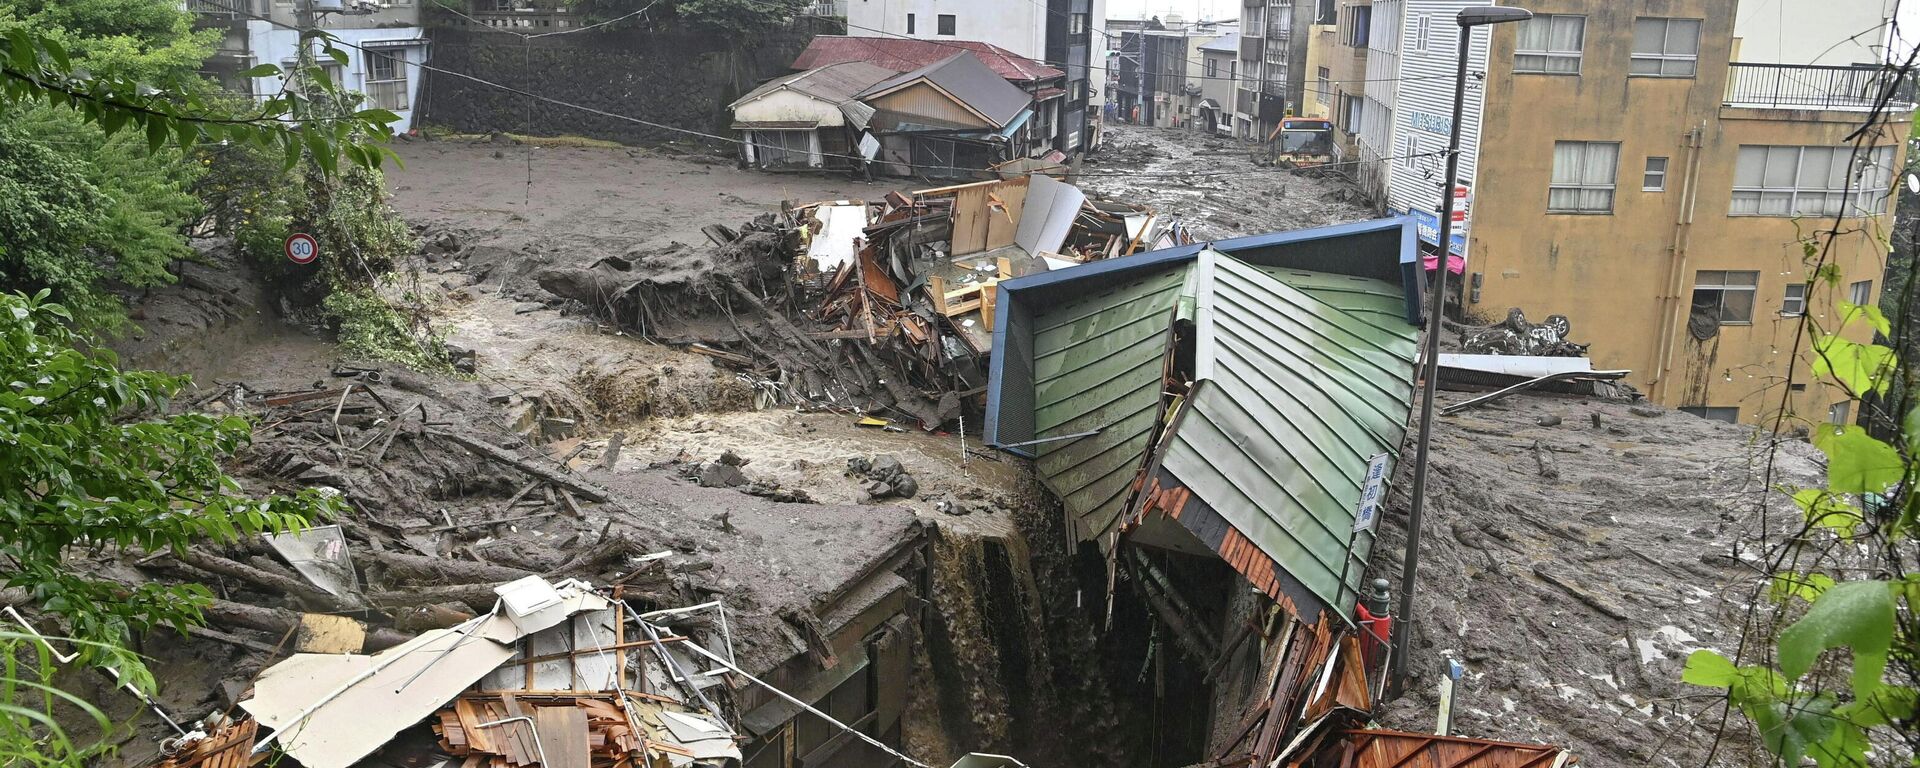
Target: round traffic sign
{"type": "Point", "coordinates": [302, 248]}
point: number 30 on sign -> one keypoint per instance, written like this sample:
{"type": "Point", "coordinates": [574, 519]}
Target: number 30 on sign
{"type": "Point", "coordinates": [302, 248]}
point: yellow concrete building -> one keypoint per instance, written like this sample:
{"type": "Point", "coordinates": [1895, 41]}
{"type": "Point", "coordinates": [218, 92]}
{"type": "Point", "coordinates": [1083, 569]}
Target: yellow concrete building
{"type": "Point", "coordinates": [1347, 63]}
{"type": "Point", "coordinates": [1323, 45]}
{"type": "Point", "coordinates": [1637, 179]}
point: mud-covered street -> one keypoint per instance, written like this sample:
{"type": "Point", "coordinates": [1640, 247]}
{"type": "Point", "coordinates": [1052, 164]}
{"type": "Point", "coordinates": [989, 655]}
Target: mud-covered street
{"type": "Point", "coordinates": [1215, 185]}
{"type": "Point", "coordinates": [657, 424]}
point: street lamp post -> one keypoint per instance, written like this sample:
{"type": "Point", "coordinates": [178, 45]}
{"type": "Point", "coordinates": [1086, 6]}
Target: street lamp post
{"type": "Point", "coordinates": [1436, 302]}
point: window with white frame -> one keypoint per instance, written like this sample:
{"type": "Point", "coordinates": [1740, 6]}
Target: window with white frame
{"type": "Point", "coordinates": [1550, 44]}
{"type": "Point", "coordinates": [1655, 177]}
{"type": "Point", "coordinates": [1077, 24]}
{"type": "Point", "coordinates": [1665, 47]}
{"type": "Point", "coordinates": [1213, 66]}
{"type": "Point", "coordinates": [1725, 296]}
{"type": "Point", "coordinates": [1794, 302]}
{"type": "Point", "coordinates": [1860, 293]}
{"type": "Point", "coordinates": [1422, 31]}
{"type": "Point", "coordinates": [1409, 146]}
{"type": "Point", "coordinates": [1583, 176]}
{"type": "Point", "coordinates": [386, 83]}
{"type": "Point", "coordinates": [1324, 90]}
{"type": "Point", "coordinates": [947, 24]}
{"type": "Point", "coordinates": [1810, 181]}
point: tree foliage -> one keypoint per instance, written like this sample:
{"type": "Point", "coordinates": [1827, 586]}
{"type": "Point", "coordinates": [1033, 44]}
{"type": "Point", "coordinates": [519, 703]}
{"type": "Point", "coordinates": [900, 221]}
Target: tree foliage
{"type": "Point", "coordinates": [1838, 682]}
{"type": "Point", "coordinates": [734, 19]}
{"type": "Point", "coordinates": [90, 459]}
{"type": "Point", "coordinates": [93, 92]}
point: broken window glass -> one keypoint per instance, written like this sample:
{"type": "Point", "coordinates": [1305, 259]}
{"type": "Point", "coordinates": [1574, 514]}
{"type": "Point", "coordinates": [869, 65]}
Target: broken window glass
{"type": "Point", "coordinates": [1723, 297]}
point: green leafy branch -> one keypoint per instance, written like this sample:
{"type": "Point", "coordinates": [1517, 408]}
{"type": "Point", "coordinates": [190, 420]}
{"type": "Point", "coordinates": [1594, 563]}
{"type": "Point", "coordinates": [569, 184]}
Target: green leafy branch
{"type": "Point", "coordinates": [38, 69]}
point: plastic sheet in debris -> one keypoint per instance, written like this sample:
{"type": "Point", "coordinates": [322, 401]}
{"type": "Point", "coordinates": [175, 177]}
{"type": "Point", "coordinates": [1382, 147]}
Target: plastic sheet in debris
{"type": "Point", "coordinates": [841, 222]}
{"type": "Point", "coordinates": [320, 555]}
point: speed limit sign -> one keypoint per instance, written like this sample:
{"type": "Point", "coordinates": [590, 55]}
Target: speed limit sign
{"type": "Point", "coordinates": [302, 248]}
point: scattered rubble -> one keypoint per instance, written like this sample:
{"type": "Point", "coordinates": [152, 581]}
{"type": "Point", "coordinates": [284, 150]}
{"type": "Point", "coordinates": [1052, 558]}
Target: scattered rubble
{"type": "Point", "coordinates": [1573, 596]}
{"type": "Point", "coordinates": [1212, 183]}
{"type": "Point", "coordinates": [722, 561]}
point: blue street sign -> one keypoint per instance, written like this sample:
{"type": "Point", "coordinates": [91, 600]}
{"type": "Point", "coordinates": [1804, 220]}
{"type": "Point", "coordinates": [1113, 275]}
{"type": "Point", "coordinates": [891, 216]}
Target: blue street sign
{"type": "Point", "coordinates": [1427, 223]}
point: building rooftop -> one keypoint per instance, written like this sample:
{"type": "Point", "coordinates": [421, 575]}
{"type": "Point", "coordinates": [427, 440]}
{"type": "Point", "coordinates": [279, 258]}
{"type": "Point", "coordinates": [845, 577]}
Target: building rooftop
{"type": "Point", "coordinates": [833, 83]}
{"type": "Point", "coordinates": [968, 80]}
{"type": "Point", "coordinates": [901, 55]}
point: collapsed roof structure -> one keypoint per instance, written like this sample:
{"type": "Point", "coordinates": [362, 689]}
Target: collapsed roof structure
{"type": "Point", "coordinates": [1231, 398]}
{"type": "Point", "coordinates": [549, 678]}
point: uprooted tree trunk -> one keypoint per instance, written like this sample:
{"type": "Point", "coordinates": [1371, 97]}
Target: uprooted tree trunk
{"type": "Point", "coordinates": [306, 593]}
{"type": "Point", "coordinates": [278, 621]}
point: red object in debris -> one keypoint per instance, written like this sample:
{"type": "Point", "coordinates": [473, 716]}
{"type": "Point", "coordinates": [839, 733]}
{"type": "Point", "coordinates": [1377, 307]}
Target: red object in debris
{"type": "Point", "coordinates": [1378, 630]}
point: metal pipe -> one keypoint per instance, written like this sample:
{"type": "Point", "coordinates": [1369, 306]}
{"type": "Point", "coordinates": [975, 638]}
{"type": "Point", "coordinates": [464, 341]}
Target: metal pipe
{"type": "Point", "coordinates": [537, 748]}
{"type": "Point", "coordinates": [715, 658]}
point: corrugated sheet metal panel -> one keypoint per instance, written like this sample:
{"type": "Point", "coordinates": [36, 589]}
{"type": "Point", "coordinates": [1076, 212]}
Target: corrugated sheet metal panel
{"type": "Point", "coordinates": [1097, 365]}
{"type": "Point", "coordinates": [1379, 303]}
{"type": "Point", "coordinates": [1012, 420]}
{"type": "Point", "coordinates": [1301, 394]}
{"type": "Point", "coordinates": [1426, 98]}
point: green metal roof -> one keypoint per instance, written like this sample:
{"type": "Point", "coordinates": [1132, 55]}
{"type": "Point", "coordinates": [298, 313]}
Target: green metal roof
{"type": "Point", "coordinates": [1097, 364]}
{"type": "Point", "coordinates": [1306, 376]}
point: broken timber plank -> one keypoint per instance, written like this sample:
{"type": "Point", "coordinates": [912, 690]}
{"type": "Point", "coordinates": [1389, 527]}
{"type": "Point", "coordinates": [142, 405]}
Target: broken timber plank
{"type": "Point", "coordinates": [562, 733]}
{"type": "Point", "coordinates": [503, 456]}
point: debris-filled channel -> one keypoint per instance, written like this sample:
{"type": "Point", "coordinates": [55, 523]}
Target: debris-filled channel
{"type": "Point", "coordinates": [747, 488]}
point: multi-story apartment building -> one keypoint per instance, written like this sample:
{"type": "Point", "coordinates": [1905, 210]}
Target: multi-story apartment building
{"type": "Point", "coordinates": [1347, 64]}
{"type": "Point", "coordinates": [1220, 78]}
{"type": "Point", "coordinates": [1375, 28]}
{"type": "Point", "coordinates": [1323, 42]}
{"type": "Point", "coordinates": [1274, 37]}
{"type": "Point", "coordinates": [1066, 34]}
{"type": "Point", "coordinates": [1649, 170]}
{"type": "Point", "coordinates": [384, 42]}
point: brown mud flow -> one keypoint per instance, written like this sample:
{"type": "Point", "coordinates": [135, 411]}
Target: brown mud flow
{"type": "Point", "coordinates": [1016, 639]}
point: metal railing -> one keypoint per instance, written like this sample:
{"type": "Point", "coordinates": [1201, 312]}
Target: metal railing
{"type": "Point", "coordinates": [834, 8]}
{"type": "Point", "coordinates": [1806, 86]}
{"type": "Point", "coordinates": [224, 9]}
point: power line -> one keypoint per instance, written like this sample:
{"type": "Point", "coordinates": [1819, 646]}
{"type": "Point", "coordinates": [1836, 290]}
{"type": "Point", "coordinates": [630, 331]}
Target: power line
{"type": "Point", "coordinates": [731, 140]}
{"type": "Point", "coordinates": [1090, 67]}
{"type": "Point", "coordinates": [482, 24]}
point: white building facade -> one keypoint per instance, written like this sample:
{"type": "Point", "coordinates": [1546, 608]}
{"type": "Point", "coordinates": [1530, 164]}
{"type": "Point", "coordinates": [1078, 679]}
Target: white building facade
{"type": "Point", "coordinates": [1069, 35]}
{"type": "Point", "coordinates": [1422, 112]}
{"type": "Point", "coordinates": [383, 64]}
{"type": "Point", "coordinates": [1376, 28]}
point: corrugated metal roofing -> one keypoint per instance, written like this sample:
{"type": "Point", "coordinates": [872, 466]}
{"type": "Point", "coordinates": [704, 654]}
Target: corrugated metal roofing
{"type": "Point", "coordinates": [1298, 394]}
{"type": "Point", "coordinates": [967, 79]}
{"type": "Point", "coordinates": [903, 55]}
{"type": "Point", "coordinates": [834, 83]}
{"type": "Point", "coordinates": [1304, 356]}
{"type": "Point", "coordinates": [1096, 366]}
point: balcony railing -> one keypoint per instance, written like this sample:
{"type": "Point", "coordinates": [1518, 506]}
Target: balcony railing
{"type": "Point", "coordinates": [1803, 86]}
{"type": "Point", "coordinates": [829, 8]}
{"type": "Point", "coordinates": [220, 9]}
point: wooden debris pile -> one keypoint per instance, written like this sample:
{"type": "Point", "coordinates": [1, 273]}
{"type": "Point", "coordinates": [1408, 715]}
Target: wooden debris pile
{"type": "Point", "coordinates": [570, 729]}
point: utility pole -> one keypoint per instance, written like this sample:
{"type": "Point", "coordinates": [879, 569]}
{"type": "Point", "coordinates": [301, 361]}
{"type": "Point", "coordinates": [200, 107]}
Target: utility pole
{"type": "Point", "coordinates": [1436, 313]}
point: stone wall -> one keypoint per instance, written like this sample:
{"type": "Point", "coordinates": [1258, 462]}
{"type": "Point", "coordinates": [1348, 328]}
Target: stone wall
{"type": "Point", "coordinates": [680, 79]}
